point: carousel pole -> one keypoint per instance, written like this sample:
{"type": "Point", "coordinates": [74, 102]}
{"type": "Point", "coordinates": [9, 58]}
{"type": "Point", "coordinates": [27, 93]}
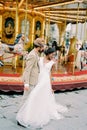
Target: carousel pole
{"type": "Point", "coordinates": [16, 32]}
{"type": "Point", "coordinates": [45, 29]}
{"type": "Point", "coordinates": [81, 32]}
{"type": "Point", "coordinates": [16, 17]}
{"type": "Point", "coordinates": [77, 20]}
{"type": "Point", "coordinates": [33, 28]}
{"type": "Point", "coordinates": [86, 26]}
{"type": "Point", "coordinates": [76, 36]}
{"type": "Point", "coordinates": [48, 29]}
{"type": "Point", "coordinates": [26, 19]}
{"type": "Point", "coordinates": [25, 33]}
{"type": "Point", "coordinates": [85, 32]}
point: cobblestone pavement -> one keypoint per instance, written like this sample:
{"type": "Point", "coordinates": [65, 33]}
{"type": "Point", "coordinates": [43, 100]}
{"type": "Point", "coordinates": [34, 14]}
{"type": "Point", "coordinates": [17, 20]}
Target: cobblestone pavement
{"type": "Point", "coordinates": [74, 119]}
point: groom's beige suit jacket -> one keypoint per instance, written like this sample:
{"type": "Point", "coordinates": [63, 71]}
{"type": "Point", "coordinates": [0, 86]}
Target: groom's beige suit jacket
{"type": "Point", "coordinates": [31, 71]}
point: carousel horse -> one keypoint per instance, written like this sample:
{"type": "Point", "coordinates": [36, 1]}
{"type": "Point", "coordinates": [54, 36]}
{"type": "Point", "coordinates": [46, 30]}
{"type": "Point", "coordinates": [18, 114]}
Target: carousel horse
{"type": "Point", "coordinates": [74, 55]}
{"type": "Point", "coordinates": [16, 48]}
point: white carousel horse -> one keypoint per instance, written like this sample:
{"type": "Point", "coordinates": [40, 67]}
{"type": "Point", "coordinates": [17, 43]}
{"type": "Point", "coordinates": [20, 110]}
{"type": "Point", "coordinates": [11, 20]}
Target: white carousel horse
{"type": "Point", "coordinates": [16, 48]}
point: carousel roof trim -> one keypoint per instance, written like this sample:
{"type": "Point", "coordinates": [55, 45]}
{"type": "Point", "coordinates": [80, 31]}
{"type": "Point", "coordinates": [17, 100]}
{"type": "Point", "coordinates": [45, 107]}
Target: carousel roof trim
{"type": "Point", "coordinates": [20, 4]}
{"type": "Point", "coordinates": [61, 10]}
{"type": "Point", "coordinates": [56, 4]}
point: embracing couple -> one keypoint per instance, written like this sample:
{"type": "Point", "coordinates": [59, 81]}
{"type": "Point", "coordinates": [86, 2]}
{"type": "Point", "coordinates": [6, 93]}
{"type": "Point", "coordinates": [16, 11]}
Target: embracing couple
{"type": "Point", "coordinates": [40, 105]}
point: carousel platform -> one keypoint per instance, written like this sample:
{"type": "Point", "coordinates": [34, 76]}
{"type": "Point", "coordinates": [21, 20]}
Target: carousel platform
{"type": "Point", "coordinates": [10, 79]}
{"type": "Point", "coordinates": [11, 82]}
{"type": "Point", "coordinates": [60, 81]}
{"type": "Point", "coordinates": [69, 82]}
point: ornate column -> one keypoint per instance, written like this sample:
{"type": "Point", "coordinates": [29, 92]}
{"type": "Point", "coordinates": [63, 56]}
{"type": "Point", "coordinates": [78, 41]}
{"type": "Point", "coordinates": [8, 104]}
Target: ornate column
{"type": "Point", "coordinates": [43, 28]}
{"type": "Point", "coordinates": [77, 20]}
{"type": "Point", "coordinates": [0, 25]}
{"type": "Point", "coordinates": [33, 27]}
{"type": "Point", "coordinates": [85, 28]}
{"type": "Point", "coordinates": [62, 28]}
{"type": "Point", "coordinates": [16, 29]}
{"type": "Point", "coordinates": [46, 31]}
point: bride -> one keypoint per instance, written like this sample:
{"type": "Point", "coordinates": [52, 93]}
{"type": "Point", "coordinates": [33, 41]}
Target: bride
{"type": "Point", "coordinates": [40, 106]}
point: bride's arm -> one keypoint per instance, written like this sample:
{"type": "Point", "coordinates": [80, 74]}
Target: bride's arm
{"type": "Point", "coordinates": [54, 68]}
{"type": "Point", "coordinates": [51, 78]}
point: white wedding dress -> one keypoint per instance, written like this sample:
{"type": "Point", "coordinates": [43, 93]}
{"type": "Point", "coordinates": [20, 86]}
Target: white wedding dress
{"type": "Point", "coordinates": [40, 106]}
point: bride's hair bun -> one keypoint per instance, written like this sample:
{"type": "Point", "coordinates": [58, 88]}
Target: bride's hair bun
{"type": "Point", "coordinates": [49, 50]}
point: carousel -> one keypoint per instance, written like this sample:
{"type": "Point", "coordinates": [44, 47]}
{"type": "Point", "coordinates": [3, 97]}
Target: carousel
{"type": "Point", "coordinates": [62, 23]}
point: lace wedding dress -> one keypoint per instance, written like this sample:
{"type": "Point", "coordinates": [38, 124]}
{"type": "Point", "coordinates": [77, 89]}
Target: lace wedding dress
{"type": "Point", "coordinates": [40, 106]}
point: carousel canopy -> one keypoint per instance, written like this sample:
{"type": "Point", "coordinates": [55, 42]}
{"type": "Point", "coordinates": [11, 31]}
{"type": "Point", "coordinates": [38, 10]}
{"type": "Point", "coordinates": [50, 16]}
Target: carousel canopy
{"type": "Point", "coordinates": [53, 10]}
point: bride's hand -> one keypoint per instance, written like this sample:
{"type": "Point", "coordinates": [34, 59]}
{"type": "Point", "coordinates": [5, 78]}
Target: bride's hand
{"type": "Point", "coordinates": [26, 88]}
{"type": "Point", "coordinates": [52, 91]}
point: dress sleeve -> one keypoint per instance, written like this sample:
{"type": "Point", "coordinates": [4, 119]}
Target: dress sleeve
{"type": "Point", "coordinates": [53, 66]}
{"type": "Point", "coordinates": [52, 63]}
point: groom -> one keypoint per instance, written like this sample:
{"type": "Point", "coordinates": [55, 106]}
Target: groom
{"type": "Point", "coordinates": [31, 71]}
